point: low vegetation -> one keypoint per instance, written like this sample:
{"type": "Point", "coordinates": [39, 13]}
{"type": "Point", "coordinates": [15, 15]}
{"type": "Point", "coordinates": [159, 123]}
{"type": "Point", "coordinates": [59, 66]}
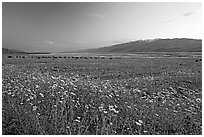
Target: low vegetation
{"type": "Point", "coordinates": [101, 96]}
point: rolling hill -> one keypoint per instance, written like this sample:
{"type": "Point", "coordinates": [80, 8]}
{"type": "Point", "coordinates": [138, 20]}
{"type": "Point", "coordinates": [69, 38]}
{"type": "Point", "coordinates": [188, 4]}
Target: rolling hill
{"type": "Point", "coordinates": [156, 45]}
{"type": "Point", "coordinates": [12, 51]}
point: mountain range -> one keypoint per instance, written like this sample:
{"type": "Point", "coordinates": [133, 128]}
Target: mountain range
{"type": "Point", "coordinates": [155, 45]}
{"type": "Point", "coordinates": [12, 51]}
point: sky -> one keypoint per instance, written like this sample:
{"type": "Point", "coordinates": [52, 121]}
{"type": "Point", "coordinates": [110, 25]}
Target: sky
{"type": "Point", "coordinates": [55, 27]}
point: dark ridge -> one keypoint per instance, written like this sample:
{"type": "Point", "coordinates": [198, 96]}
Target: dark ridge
{"type": "Point", "coordinates": [12, 51]}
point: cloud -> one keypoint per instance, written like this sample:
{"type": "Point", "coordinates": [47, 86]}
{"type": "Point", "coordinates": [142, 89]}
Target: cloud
{"type": "Point", "coordinates": [188, 14]}
{"type": "Point", "coordinates": [49, 42]}
{"type": "Point", "coordinates": [96, 15]}
{"type": "Point", "coordinates": [169, 20]}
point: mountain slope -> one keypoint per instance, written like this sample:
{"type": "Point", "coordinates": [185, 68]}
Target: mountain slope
{"type": "Point", "coordinates": [157, 45]}
{"type": "Point", "coordinates": [12, 51]}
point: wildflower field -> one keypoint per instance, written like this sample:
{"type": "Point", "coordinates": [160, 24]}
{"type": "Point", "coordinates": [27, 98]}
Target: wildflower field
{"type": "Point", "coordinates": [58, 95]}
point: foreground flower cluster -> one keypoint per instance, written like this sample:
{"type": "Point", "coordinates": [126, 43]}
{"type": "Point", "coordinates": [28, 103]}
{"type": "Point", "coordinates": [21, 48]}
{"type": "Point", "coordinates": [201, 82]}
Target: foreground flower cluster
{"type": "Point", "coordinates": [126, 96]}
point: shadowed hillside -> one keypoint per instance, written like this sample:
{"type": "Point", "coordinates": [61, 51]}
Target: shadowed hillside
{"type": "Point", "coordinates": [12, 51]}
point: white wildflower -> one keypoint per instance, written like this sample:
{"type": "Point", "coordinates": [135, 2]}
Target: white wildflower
{"type": "Point", "coordinates": [37, 86]}
{"type": "Point", "coordinates": [138, 123]}
{"type": "Point", "coordinates": [9, 93]}
{"type": "Point", "coordinates": [101, 107]}
{"type": "Point", "coordinates": [34, 108]}
{"type": "Point", "coordinates": [198, 100]}
{"type": "Point", "coordinates": [54, 86]}
{"type": "Point", "coordinates": [78, 117]}
{"type": "Point", "coordinates": [77, 120]}
{"type": "Point", "coordinates": [73, 93]}
{"type": "Point", "coordinates": [116, 111]}
{"type": "Point", "coordinates": [41, 94]}
{"type": "Point", "coordinates": [61, 101]}
{"type": "Point", "coordinates": [111, 107]}
{"type": "Point", "coordinates": [73, 84]}
{"type": "Point", "coordinates": [75, 88]}
{"type": "Point", "coordinates": [105, 112]}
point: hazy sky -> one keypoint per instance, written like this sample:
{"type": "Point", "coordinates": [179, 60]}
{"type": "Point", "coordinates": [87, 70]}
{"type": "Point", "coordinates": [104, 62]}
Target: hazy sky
{"type": "Point", "coordinates": [73, 26]}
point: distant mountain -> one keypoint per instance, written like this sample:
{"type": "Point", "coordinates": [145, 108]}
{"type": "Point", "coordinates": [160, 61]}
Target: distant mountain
{"type": "Point", "coordinates": [12, 51]}
{"type": "Point", "coordinates": [156, 45]}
